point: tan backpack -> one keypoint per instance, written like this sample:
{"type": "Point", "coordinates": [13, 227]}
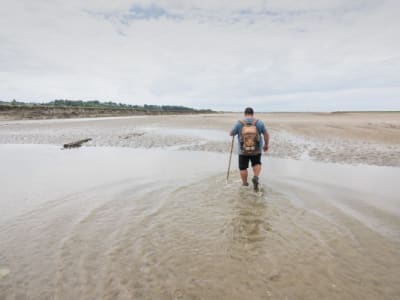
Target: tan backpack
{"type": "Point", "coordinates": [249, 143]}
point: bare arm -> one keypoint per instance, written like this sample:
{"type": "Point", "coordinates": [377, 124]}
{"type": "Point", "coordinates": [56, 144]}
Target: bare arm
{"type": "Point", "coordinates": [266, 141]}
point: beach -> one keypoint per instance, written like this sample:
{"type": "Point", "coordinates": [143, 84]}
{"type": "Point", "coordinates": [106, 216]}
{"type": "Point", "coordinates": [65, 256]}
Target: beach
{"type": "Point", "coordinates": [143, 210]}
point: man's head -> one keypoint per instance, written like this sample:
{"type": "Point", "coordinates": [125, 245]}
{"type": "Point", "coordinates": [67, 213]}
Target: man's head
{"type": "Point", "coordinates": [249, 112]}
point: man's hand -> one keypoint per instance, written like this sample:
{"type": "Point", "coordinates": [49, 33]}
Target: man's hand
{"type": "Point", "coordinates": [265, 148]}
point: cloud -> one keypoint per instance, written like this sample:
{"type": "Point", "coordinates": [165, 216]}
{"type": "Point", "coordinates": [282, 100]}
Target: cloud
{"type": "Point", "coordinates": [219, 54]}
{"type": "Point", "coordinates": [238, 11]}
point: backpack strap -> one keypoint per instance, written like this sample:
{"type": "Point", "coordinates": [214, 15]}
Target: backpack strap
{"type": "Point", "coordinates": [243, 122]}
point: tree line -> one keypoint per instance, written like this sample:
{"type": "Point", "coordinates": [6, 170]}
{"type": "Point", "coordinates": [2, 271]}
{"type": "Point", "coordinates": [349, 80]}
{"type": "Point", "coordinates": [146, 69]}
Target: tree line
{"type": "Point", "coordinates": [99, 104]}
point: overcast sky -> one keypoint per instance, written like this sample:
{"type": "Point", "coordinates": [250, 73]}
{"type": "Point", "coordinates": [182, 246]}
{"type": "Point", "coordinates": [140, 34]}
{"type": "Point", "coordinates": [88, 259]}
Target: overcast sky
{"type": "Point", "coordinates": [273, 55]}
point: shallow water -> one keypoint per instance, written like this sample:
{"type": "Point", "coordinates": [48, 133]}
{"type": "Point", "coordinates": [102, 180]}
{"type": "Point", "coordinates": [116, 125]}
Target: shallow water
{"type": "Point", "coordinates": [117, 223]}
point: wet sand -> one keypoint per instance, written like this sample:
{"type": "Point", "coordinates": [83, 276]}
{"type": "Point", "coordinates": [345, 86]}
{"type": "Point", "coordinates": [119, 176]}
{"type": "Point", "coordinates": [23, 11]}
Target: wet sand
{"type": "Point", "coordinates": [153, 218]}
{"type": "Point", "coordinates": [351, 138]}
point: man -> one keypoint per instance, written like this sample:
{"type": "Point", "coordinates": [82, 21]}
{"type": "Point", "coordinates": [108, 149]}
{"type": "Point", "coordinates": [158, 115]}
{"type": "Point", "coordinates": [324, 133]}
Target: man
{"type": "Point", "coordinates": [251, 133]}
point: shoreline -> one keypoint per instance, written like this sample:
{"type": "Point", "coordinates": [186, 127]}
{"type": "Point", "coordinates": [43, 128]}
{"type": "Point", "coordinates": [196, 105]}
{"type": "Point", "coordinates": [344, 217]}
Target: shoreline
{"type": "Point", "coordinates": [21, 112]}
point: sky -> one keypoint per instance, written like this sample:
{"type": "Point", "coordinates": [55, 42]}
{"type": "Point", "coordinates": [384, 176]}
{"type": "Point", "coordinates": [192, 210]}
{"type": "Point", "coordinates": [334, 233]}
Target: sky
{"type": "Point", "coordinates": [273, 55]}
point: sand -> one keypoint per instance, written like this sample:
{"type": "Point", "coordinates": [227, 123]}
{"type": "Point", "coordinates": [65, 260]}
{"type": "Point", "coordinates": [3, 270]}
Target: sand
{"type": "Point", "coordinates": [143, 211]}
{"type": "Point", "coordinates": [351, 138]}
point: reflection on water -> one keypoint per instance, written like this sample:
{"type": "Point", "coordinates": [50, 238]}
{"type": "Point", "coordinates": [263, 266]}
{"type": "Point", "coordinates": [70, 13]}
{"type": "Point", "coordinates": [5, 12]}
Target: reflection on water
{"type": "Point", "coordinates": [250, 222]}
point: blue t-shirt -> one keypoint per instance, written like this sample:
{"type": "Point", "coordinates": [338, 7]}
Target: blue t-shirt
{"type": "Point", "coordinates": [237, 130]}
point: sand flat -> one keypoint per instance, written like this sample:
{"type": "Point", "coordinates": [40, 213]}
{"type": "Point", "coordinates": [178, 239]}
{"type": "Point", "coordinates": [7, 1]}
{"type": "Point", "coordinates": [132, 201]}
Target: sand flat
{"type": "Point", "coordinates": [351, 138]}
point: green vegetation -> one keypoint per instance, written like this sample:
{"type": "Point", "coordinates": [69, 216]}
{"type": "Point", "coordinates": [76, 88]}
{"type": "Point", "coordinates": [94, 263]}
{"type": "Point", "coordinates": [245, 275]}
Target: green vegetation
{"type": "Point", "coordinates": [105, 105]}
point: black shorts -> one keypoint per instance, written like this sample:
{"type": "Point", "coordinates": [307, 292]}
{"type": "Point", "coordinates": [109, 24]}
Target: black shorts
{"type": "Point", "coordinates": [244, 161]}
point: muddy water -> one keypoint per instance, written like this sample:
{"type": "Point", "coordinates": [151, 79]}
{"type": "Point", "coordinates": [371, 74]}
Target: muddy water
{"type": "Point", "coordinates": [111, 223]}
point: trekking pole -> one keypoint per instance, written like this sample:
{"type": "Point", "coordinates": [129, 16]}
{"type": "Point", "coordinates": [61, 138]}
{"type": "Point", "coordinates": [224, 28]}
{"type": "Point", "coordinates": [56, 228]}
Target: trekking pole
{"type": "Point", "coordinates": [230, 158]}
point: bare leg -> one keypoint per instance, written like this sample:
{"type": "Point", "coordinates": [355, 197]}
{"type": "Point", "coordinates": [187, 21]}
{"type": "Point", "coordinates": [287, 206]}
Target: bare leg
{"type": "Point", "coordinates": [256, 170]}
{"type": "Point", "coordinates": [243, 175]}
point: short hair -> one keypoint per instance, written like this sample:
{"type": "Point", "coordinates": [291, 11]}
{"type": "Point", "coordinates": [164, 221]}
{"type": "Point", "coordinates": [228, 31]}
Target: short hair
{"type": "Point", "coordinates": [249, 111]}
